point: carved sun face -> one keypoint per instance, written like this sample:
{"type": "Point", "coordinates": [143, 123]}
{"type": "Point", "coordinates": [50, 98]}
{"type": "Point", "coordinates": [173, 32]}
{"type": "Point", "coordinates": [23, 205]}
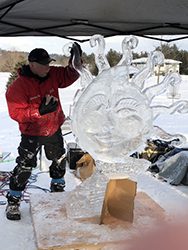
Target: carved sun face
{"type": "Point", "coordinates": [111, 118]}
{"type": "Point", "coordinates": [112, 114]}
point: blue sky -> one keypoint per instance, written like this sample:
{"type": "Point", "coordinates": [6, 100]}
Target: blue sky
{"type": "Point", "coordinates": [55, 44]}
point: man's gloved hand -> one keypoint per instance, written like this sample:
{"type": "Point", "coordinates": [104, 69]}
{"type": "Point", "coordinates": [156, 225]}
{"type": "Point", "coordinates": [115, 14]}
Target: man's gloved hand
{"type": "Point", "coordinates": [75, 50]}
{"type": "Point", "coordinates": [76, 56]}
{"type": "Point", "coordinates": [48, 105]}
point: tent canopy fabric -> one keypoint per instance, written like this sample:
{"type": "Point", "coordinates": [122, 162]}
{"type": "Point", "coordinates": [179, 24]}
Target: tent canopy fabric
{"type": "Point", "coordinates": [66, 18]}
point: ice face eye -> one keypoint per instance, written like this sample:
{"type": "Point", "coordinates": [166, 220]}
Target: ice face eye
{"type": "Point", "coordinates": [125, 111]}
{"type": "Point", "coordinates": [95, 103]}
{"type": "Point", "coordinates": [126, 106]}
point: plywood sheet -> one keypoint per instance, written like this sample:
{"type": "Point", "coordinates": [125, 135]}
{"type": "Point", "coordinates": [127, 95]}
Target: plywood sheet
{"type": "Point", "coordinates": [54, 230]}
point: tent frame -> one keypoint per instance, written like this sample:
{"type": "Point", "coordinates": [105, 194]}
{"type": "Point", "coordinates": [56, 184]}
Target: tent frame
{"type": "Point", "coordinates": [76, 22]}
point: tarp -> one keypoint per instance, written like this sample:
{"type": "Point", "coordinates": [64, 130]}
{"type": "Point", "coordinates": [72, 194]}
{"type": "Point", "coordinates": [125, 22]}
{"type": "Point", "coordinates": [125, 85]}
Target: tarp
{"type": "Point", "coordinates": [87, 17]}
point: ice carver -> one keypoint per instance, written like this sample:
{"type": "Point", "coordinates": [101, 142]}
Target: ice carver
{"type": "Point", "coordinates": [33, 101]}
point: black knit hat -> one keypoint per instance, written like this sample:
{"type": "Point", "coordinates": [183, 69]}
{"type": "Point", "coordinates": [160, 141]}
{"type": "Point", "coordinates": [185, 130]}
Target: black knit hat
{"type": "Point", "coordinates": [40, 56]}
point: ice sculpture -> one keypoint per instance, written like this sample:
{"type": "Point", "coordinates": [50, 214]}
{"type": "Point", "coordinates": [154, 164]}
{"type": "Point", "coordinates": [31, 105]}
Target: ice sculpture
{"type": "Point", "coordinates": [173, 90]}
{"type": "Point", "coordinates": [112, 115]}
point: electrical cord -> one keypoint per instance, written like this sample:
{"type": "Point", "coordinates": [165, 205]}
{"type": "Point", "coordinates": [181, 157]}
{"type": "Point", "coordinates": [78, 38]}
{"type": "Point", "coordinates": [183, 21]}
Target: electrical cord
{"type": "Point", "coordinates": [4, 180]}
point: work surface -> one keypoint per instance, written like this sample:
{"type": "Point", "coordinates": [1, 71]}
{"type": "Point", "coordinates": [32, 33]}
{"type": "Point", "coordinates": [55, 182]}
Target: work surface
{"type": "Point", "coordinates": [54, 230]}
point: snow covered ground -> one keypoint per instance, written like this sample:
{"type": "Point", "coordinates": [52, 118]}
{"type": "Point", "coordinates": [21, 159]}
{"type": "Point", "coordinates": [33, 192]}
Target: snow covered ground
{"type": "Point", "coordinates": [19, 235]}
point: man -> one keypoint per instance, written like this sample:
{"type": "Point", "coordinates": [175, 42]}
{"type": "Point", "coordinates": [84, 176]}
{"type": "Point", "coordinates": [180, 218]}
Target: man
{"type": "Point", "coordinates": [33, 101]}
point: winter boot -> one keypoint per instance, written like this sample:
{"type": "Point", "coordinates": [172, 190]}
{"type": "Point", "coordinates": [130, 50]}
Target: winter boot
{"type": "Point", "coordinates": [12, 209]}
{"type": "Point", "coordinates": [57, 185]}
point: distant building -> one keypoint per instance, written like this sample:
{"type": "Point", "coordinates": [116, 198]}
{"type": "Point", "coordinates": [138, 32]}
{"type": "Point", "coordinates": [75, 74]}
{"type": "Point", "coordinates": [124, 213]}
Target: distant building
{"type": "Point", "coordinates": [169, 65]}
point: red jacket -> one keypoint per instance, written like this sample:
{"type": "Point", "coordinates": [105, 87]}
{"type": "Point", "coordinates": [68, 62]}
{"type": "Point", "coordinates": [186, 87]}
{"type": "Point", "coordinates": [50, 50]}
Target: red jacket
{"type": "Point", "coordinates": [25, 95]}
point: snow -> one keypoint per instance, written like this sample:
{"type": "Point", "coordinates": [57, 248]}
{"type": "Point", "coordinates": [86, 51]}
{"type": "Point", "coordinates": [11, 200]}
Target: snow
{"type": "Point", "coordinates": [18, 235]}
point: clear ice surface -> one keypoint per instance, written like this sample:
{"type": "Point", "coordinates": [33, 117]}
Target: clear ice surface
{"type": "Point", "coordinates": [112, 116]}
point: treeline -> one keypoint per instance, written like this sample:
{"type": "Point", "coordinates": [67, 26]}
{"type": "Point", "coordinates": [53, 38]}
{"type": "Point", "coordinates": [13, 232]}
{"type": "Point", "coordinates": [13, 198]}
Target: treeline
{"type": "Point", "coordinates": [172, 52]}
{"type": "Point", "coordinates": [10, 59]}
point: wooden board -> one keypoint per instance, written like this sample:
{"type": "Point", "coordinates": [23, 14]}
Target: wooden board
{"type": "Point", "coordinates": [55, 231]}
